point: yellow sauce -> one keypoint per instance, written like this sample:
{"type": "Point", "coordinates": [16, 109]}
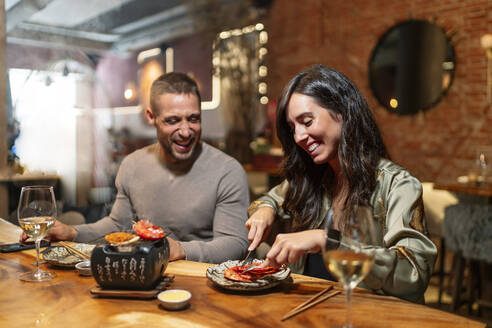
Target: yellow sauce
{"type": "Point", "coordinates": [174, 296]}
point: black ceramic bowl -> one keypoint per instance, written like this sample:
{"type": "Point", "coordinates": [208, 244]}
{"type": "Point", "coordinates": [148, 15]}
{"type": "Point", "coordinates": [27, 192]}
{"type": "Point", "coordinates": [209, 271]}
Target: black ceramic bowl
{"type": "Point", "coordinates": [138, 266]}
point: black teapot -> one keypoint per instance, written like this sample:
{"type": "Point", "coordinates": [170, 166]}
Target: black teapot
{"type": "Point", "coordinates": [138, 266]}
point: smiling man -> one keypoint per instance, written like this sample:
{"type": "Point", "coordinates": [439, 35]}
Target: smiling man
{"type": "Point", "coordinates": [198, 194]}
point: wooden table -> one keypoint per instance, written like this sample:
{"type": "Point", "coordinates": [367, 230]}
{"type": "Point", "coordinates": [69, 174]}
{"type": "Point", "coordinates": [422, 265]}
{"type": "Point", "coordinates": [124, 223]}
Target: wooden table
{"type": "Point", "coordinates": [466, 188]}
{"type": "Point", "coordinates": [66, 302]}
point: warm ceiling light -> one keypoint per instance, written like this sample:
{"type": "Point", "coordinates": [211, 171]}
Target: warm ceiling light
{"type": "Point", "coordinates": [263, 37]}
{"type": "Point", "coordinates": [393, 103]}
{"type": "Point", "coordinates": [264, 100]}
{"type": "Point", "coordinates": [486, 41]}
{"type": "Point", "coordinates": [147, 54]}
{"type": "Point", "coordinates": [236, 32]}
{"type": "Point", "coordinates": [248, 29]}
{"type": "Point", "coordinates": [262, 88]}
{"type": "Point", "coordinates": [225, 34]}
{"type": "Point", "coordinates": [263, 71]}
{"type": "Point", "coordinates": [447, 66]}
{"type": "Point", "coordinates": [169, 60]}
{"type": "Point", "coordinates": [130, 92]}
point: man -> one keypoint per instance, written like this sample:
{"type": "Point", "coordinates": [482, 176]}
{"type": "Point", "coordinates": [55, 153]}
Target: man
{"type": "Point", "coordinates": [198, 194]}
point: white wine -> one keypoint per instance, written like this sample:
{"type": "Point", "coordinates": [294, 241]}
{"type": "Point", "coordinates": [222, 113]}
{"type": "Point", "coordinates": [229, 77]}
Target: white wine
{"type": "Point", "coordinates": [37, 227]}
{"type": "Point", "coordinates": [349, 267]}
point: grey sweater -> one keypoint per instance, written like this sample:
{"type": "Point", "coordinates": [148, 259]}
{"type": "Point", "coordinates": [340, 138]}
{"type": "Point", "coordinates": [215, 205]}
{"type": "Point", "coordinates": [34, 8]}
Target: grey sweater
{"type": "Point", "coordinates": [203, 205]}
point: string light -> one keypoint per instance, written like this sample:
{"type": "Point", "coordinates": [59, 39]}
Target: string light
{"type": "Point", "coordinates": [262, 51]}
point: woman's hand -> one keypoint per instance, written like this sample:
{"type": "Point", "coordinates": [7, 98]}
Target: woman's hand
{"type": "Point", "coordinates": [289, 247]}
{"type": "Point", "coordinates": [259, 226]}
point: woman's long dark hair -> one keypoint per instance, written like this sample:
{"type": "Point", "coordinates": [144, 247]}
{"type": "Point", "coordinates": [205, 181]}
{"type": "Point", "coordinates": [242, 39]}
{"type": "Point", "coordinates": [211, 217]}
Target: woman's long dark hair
{"type": "Point", "coordinates": [359, 151]}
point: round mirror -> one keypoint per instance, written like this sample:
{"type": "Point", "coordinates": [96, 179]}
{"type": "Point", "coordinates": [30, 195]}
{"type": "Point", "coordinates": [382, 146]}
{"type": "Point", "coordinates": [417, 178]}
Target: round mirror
{"type": "Point", "coordinates": [412, 67]}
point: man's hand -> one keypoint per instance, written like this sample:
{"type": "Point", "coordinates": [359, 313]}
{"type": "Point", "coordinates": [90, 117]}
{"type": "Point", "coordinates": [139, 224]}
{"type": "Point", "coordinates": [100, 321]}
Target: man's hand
{"type": "Point", "coordinates": [59, 231]}
{"type": "Point", "coordinates": [289, 247]}
{"type": "Point", "coordinates": [176, 251]}
{"type": "Point", "coordinates": [259, 226]}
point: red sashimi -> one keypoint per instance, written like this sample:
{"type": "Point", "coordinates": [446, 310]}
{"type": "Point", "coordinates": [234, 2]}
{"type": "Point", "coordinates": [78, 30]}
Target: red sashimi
{"type": "Point", "coordinates": [235, 273]}
{"type": "Point", "coordinates": [147, 231]}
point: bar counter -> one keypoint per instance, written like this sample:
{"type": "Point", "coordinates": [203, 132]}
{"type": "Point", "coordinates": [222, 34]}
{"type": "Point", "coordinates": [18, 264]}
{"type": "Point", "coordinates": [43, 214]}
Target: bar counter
{"type": "Point", "coordinates": [66, 302]}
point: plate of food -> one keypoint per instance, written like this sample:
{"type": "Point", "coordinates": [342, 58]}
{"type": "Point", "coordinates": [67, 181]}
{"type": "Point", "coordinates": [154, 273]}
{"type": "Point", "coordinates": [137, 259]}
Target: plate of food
{"type": "Point", "coordinates": [121, 238]}
{"type": "Point", "coordinates": [60, 256]}
{"type": "Point", "coordinates": [228, 275]}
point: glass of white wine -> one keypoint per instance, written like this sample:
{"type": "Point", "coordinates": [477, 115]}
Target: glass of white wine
{"type": "Point", "coordinates": [346, 258]}
{"type": "Point", "coordinates": [37, 214]}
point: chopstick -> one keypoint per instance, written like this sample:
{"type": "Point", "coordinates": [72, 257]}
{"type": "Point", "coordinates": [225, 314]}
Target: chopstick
{"type": "Point", "coordinates": [74, 250]}
{"type": "Point", "coordinates": [318, 298]}
{"type": "Point", "coordinates": [327, 289]}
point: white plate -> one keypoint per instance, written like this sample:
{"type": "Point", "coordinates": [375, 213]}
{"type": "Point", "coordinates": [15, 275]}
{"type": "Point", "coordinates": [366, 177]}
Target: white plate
{"type": "Point", "coordinates": [216, 275]}
{"type": "Point", "coordinates": [60, 256]}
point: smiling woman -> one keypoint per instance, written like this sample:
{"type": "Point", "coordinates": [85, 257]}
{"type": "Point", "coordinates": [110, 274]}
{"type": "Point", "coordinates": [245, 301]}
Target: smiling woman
{"type": "Point", "coordinates": [306, 118]}
{"type": "Point", "coordinates": [338, 174]}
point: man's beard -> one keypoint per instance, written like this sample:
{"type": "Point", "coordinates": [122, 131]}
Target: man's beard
{"type": "Point", "coordinates": [181, 157]}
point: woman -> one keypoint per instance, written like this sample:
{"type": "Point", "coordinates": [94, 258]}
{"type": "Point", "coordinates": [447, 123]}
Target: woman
{"type": "Point", "coordinates": [336, 162]}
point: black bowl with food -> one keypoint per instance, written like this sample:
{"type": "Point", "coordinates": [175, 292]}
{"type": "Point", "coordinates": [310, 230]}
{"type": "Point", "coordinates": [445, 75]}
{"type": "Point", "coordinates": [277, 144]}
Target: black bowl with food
{"type": "Point", "coordinates": [136, 266]}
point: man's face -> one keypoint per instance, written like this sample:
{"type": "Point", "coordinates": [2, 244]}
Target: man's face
{"type": "Point", "coordinates": [178, 124]}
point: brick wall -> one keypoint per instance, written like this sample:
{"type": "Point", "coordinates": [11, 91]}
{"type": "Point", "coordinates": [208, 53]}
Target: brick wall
{"type": "Point", "coordinates": [439, 144]}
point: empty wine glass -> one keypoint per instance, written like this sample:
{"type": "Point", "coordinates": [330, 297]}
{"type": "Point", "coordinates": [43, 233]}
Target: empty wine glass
{"type": "Point", "coordinates": [479, 172]}
{"type": "Point", "coordinates": [349, 262]}
{"type": "Point", "coordinates": [482, 162]}
{"type": "Point", "coordinates": [36, 214]}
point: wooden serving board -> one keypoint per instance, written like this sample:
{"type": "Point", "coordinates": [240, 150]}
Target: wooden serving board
{"type": "Point", "coordinates": [142, 294]}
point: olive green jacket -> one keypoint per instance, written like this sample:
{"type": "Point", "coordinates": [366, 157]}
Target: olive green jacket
{"type": "Point", "coordinates": [404, 256]}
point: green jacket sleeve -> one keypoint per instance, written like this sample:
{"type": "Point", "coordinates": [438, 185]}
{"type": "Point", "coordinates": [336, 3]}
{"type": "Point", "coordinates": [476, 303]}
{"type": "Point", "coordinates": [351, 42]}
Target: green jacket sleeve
{"type": "Point", "coordinates": [404, 262]}
{"type": "Point", "coordinates": [273, 198]}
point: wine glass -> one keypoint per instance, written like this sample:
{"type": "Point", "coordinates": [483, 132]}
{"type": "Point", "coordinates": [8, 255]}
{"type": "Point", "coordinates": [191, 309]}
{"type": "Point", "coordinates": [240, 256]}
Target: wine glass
{"type": "Point", "coordinates": [479, 172]}
{"type": "Point", "coordinates": [344, 253]}
{"type": "Point", "coordinates": [482, 163]}
{"type": "Point", "coordinates": [36, 214]}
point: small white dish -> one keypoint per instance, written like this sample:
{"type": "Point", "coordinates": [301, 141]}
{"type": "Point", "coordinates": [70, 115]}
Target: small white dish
{"type": "Point", "coordinates": [174, 299]}
{"type": "Point", "coordinates": [84, 268]}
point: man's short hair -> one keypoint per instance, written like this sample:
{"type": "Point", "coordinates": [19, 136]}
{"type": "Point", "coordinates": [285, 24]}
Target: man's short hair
{"type": "Point", "coordinates": [173, 82]}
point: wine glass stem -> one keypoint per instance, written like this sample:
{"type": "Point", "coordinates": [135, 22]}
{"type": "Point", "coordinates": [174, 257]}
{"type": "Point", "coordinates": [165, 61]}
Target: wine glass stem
{"type": "Point", "coordinates": [38, 245]}
{"type": "Point", "coordinates": [348, 302]}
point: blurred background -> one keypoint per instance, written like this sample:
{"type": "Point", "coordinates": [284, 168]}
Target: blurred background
{"type": "Point", "coordinates": [78, 75]}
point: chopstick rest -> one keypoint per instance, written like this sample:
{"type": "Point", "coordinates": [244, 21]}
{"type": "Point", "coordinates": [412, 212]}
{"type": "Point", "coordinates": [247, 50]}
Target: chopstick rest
{"type": "Point", "coordinates": [318, 298]}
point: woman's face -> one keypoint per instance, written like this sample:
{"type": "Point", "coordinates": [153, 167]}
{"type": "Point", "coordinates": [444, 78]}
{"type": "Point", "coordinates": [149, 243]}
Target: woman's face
{"type": "Point", "coordinates": [314, 128]}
